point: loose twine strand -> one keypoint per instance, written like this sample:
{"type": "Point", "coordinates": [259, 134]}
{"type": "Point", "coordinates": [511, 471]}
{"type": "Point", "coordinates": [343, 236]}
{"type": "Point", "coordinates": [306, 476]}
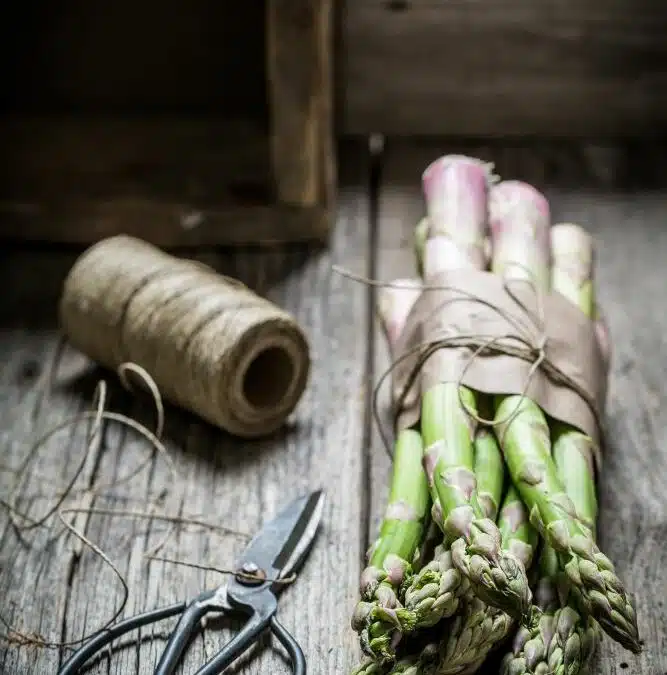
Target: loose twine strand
{"type": "Point", "coordinates": [22, 522]}
{"type": "Point", "coordinates": [520, 344]}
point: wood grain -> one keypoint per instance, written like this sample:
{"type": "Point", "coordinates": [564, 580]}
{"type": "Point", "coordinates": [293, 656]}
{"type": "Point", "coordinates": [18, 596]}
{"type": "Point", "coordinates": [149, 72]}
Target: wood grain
{"type": "Point", "coordinates": [631, 239]}
{"type": "Point", "coordinates": [170, 180]}
{"type": "Point", "coordinates": [232, 483]}
{"type": "Point", "coordinates": [300, 51]}
{"type": "Point", "coordinates": [505, 67]}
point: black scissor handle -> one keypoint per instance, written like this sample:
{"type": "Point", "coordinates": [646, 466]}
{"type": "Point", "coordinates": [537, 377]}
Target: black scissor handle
{"type": "Point", "coordinates": [182, 633]}
{"type": "Point", "coordinates": [257, 624]}
{"type": "Point", "coordinates": [291, 645]}
{"type": "Point", "coordinates": [103, 638]}
{"type": "Point", "coordinates": [262, 618]}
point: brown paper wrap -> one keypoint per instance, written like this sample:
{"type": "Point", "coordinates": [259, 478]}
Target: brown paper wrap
{"type": "Point", "coordinates": [462, 311]}
{"type": "Point", "coordinates": [395, 304]}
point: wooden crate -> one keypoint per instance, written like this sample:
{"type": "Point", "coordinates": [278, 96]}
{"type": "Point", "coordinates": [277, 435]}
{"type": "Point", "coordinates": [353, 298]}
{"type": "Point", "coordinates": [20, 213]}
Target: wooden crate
{"type": "Point", "coordinates": [183, 123]}
{"type": "Point", "coordinates": [482, 68]}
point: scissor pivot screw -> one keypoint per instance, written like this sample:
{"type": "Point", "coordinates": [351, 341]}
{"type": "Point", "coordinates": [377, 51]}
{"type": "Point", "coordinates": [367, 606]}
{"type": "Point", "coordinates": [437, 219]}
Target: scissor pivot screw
{"type": "Point", "coordinates": [251, 575]}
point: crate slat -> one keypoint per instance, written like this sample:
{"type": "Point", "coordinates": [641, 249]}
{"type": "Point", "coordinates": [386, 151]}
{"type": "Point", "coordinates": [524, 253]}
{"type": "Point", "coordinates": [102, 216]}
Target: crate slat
{"type": "Point", "coordinates": [484, 68]}
{"type": "Point", "coordinates": [192, 177]}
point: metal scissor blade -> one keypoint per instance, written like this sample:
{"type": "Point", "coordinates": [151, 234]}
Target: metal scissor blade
{"type": "Point", "coordinates": [299, 543]}
{"type": "Point", "coordinates": [282, 543]}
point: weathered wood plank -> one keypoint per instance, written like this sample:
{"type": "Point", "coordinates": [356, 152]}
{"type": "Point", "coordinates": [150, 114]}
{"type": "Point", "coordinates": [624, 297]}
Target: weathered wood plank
{"type": "Point", "coordinates": [504, 67]}
{"type": "Point", "coordinates": [232, 483]}
{"type": "Point", "coordinates": [300, 52]}
{"type": "Point", "coordinates": [174, 181]}
{"type": "Point", "coordinates": [631, 240]}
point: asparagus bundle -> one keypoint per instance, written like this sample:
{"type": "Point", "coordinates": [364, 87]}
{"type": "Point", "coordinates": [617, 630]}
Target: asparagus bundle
{"type": "Point", "coordinates": [379, 617]}
{"type": "Point", "coordinates": [456, 188]}
{"type": "Point", "coordinates": [525, 440]}
{"type": "Point", "coordinates": [466, 641]}
{"type": "Point", "coordinates": [467, 594]}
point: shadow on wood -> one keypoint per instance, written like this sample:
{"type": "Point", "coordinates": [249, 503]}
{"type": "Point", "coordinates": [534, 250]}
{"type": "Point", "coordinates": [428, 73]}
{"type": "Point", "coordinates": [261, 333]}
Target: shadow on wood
{"type": "Point", "coordinates": [186, 125]}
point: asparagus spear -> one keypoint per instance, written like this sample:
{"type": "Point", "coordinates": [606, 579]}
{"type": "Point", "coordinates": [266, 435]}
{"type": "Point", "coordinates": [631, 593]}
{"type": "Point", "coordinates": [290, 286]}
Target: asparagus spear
{"type": "Point", "coordinates": [456, 190]}
{"type": "Point", "coordinates": [576, 638]}
{"type": "Point", "coordinates": [379, 617]}
{"type": "Point", "coordinates": [525, 437]}
{"type": "Point", "coordinates": [479, 626]}
{"type": "Point", "coordinates": [489, 470]}
{"type": "Point", "coordinates": [489, 474]}
{"type": "Point", "coordinates": [436, 591]}
{"type": "Point", "coordinates": [572, 276]}
{"type": "Point", "coordinates": [563, 641]}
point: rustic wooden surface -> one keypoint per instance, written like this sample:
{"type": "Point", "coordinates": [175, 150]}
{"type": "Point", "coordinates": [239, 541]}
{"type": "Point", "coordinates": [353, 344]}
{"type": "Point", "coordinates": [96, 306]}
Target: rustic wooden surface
{"type": "Point", "coordinates": [469, 68]}
{"type": "Point", "coordinates": [49, 591]}
{"type": "Point", "coordinates": [53, 592]}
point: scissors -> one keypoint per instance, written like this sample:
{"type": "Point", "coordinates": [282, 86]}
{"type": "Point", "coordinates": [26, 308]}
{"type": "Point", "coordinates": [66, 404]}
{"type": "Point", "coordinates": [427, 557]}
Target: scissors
{"type": "Point", "coordinates": [274, 554]}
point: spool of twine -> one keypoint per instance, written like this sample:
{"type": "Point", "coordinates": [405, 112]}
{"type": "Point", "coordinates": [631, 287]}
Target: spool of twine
{"type": "Point", "coordinates": [212, 345]}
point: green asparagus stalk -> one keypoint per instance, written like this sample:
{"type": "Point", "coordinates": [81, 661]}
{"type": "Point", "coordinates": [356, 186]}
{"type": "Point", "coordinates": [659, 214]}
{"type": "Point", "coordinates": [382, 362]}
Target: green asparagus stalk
{"type": "Point", "coordinates": [479, 627]}
{"type": "Point", "coordinates": [564, 641]}
{"type": "Point", "coordinates": [520, 234]}
{"type": "Point", "coordinates": [560, 641]}
{"type": "Point", "coordinates": [477, 623]}
{"type": "Point", "coordinates": [573, 451]}
{"type": "Point", "coordinates": [576, 637]}
{"type": "Point", "coordinates": [456, 190]}
{"type": "Point", "coordinates": [489, 474]}
{"type": "Point", "coordinates": [437, 590]}
{"type": "Point", "coordinates": [489, 468]}
{"type": "Point", "coordinates": [379, 617]}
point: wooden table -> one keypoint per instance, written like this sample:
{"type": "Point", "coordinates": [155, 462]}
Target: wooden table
{"type": "Point", "coordinates": [52, 588]}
